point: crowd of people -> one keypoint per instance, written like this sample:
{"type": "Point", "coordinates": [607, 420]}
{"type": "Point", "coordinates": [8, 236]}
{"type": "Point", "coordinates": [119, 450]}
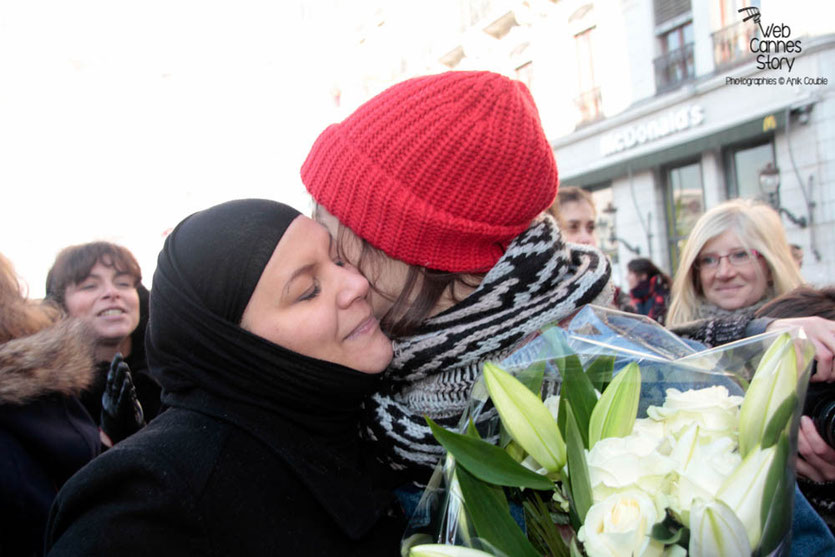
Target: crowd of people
{"type": "Point", "coordinates": [270, 393]}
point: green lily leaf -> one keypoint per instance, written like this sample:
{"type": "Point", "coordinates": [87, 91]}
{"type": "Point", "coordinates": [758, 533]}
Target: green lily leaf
{"type": "Point", "coordinates": [774, 381]}
{"type": "Point", "coordinates": [779, 420]}
{"type": "Point", "coordinates": [542, 528]}
{"type": "Point", "coordinates": [615, 413]}
{"type": "Point", "coordinates": [600, 371]}
{"type": "Point", "coordinates": [664, 535]}
{"type": "Point", "coordinates": [471, 430]}
{"type": "Point", "coordinates": [525, 417]}
{"type": "Point", "coordinates": [776, 514]}
{"type": "Point", "coordinates": [578, 479]}
{"type": "Point", "coordinates": [487, 462]}
{"type": "Point", "coordinates": [669, 531]}
{"type": "Point", "coordinates": [578, 390]}
{"type": "Point", "coordinates": [488, 508]}
{"type": "Point", "coordinates": [532, 376]}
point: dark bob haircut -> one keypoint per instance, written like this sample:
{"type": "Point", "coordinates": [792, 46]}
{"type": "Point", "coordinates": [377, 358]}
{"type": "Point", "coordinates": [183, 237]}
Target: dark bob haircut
{"type": "Point", "coordinates": [74, 263]}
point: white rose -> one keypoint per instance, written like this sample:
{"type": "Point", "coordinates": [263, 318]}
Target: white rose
{"type": "Point", "coordinates": [702, 468]}
{"type": "Point", "coordinates": [713, 409]}
{"type": "Point", "coordinates": [648, 428]}
{"type": "Point", "coordinates": [620, 463]}
{"type": "Point", "coordinates": [620, 526]}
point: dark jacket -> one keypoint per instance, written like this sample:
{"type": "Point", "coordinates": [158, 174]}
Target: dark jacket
{"type": "Point", "coordinates": [45, 433]}
{"type": "Point", "coordinates": [258, 452]}
{"type": "Point", "coordinates": [650, 298]}
{"type": "Point", "coordinates": [148, 390]}
{"type": "Point", "coordinates": [193, 484]}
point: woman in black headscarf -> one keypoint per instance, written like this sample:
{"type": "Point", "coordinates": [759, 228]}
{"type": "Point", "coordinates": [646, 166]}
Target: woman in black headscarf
{"type": "Point", "coordinates": [265, 346]}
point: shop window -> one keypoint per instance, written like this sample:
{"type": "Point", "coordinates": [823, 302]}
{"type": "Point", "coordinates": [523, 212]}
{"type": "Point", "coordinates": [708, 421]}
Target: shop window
{"type": "Point", "coordinates": [676, 64]}
{"type": "Point", "coordinates": [684, 197]}
{"type": "Point", "coordinates": [744, 166]}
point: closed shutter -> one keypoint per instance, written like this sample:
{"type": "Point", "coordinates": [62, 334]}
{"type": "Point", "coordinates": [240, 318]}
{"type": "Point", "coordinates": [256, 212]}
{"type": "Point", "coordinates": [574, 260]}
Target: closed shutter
{"type": "Point", "coordinates": [666, 10]}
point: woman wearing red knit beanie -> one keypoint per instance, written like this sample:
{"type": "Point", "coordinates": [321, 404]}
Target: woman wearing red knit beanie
{"type": "Point", "coordinates": [436, 189]}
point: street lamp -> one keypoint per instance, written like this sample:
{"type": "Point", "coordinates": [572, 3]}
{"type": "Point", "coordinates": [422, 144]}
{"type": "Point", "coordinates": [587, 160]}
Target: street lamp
{"type": "Point", "coordinates": [613, 237]}
{"type": "Point", "coordinates": [770, 186]}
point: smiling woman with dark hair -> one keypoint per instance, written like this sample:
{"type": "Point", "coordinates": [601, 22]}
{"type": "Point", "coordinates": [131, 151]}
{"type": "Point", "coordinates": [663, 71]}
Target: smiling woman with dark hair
{"type": "Point", "coordinates": [101, 283]}
{"type": "Point", "coordinates": [266, 347]}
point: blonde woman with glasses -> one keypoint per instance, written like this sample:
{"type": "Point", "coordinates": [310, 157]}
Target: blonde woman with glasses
{"type": "Point", "coordinates": [735, 261]}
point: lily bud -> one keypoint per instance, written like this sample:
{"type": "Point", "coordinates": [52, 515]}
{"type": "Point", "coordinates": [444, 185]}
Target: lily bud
{"type": "Point", "coordinates": [616, 410]}
{"type": "Point", "coordinates": [715, 531]}
{"type": "Point", "coordinates": [526, 418]}
{"type": "Point", "coordinates": [744, 489]}
{"type": "Point", "coordinates": [774, 381]}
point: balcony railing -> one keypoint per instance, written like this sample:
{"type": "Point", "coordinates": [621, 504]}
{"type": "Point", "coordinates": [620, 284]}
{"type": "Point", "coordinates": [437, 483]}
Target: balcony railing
{"type": "Point", "coordinates": [731, 44]}
{"type": "Point", "coordinates": [589, 104]}
{"type": "Point", "coordinates": [674, 68]}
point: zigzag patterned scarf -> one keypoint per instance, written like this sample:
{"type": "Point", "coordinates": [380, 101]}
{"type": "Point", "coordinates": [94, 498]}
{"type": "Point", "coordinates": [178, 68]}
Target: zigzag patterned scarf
{"type": "Point", "coordinates": [539, 280]}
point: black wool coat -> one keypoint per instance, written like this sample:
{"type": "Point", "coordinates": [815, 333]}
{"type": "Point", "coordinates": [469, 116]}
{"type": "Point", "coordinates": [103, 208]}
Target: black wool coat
{"type": "Point", "coordinates": [194, 484]}
{"type": "Point", "coordinates": [45, 433]}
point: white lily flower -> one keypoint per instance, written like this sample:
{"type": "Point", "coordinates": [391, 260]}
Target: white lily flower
{"type": "Point", "coordinates": [773, 382]}
{"type": "Point", "coordinates": [743, 491]}
{"type": "Point", "coordinates": [617, 408]}
{"type": "Point", "coordinates": [526, 418]}
{"type": "Point", "coordinates": [715, 531]}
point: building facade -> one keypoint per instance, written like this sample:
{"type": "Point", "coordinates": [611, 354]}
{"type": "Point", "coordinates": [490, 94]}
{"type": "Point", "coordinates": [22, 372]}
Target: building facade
{"type": "Point", "coordinates": [709, 120]}
{"type": "Point", "coordinates": [662, 108]}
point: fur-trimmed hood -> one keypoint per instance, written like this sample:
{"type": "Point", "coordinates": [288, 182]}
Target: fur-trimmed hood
{"type": "Point", "coordinates": [58, 359]}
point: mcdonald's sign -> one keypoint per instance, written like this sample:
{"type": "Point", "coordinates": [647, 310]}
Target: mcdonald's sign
{"type": "Point", "coordinates": [769, 123]}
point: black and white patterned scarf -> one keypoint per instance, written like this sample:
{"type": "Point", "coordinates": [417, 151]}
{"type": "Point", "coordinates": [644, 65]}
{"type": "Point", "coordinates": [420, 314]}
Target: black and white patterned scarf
{"type": "Point", "coordinates": [538, 281]}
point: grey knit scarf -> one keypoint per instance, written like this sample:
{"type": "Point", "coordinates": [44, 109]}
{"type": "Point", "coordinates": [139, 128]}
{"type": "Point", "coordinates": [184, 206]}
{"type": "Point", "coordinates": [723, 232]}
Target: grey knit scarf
{"type": "Point", "coordinates": [539, 280]}
{"type": "Point", "coordinates": [706, 310]}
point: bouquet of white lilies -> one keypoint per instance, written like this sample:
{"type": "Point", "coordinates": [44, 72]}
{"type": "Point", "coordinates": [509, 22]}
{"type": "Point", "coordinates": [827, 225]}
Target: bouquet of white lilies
{"type": "Point", "coordinates": [613, 437]}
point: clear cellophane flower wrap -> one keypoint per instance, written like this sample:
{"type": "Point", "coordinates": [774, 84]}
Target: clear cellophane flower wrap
{"type": "Point", "coordinates": [612, 436]}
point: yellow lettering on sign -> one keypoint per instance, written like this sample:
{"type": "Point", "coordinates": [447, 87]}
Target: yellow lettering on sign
{"type": "Point", "coordinates": [769, 123]}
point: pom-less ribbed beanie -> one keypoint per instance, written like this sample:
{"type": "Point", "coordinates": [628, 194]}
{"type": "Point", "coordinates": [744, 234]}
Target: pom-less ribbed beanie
{"type": "Point", "coordinates": [441, 171]}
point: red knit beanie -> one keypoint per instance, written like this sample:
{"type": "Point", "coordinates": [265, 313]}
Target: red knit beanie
{"type": "Point", "coordinates": [441, 171]}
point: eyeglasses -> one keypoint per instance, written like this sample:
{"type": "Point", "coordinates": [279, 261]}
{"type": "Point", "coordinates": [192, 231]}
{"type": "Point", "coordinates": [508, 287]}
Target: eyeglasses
{"type": "Point", "coordinates": [736, 258]}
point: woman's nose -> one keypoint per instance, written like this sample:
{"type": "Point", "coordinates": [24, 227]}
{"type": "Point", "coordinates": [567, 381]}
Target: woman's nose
{"type": "Point", "coordinates": [586, 238]}
{"type": "Point", "coordinates": [110, 290]}
{"type": "Point", "coordinates": [725, 268]}
{"type": "Point", "coordinates": [352, 286]}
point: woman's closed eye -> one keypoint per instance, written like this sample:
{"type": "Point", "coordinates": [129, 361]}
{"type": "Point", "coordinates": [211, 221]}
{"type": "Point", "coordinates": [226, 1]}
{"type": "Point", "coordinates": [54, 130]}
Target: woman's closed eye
{"type": "Point", "coordinates": [311, 292]}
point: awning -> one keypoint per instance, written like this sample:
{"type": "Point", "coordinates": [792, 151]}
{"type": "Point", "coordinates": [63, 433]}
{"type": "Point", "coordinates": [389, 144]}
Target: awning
{"type": "Point", "coordinates": [763, 125]}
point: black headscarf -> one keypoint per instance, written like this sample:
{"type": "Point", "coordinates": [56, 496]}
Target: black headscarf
{"type": "Point", "coordinates": [205, 276]}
